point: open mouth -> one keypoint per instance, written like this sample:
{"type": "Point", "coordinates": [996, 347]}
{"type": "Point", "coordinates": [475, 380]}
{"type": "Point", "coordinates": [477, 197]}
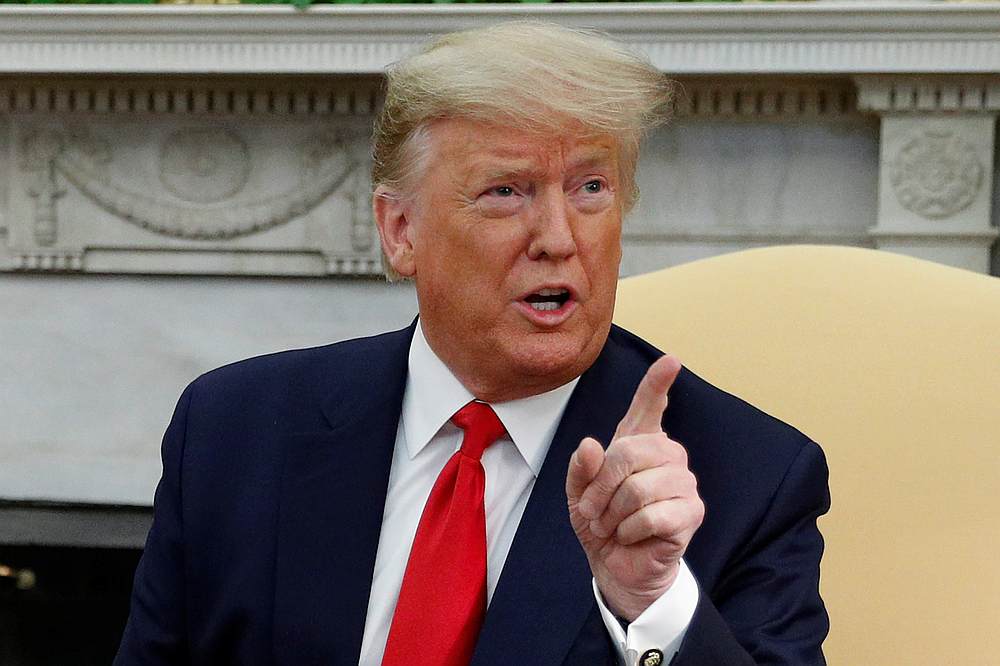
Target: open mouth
{"type": "Point", "coordinates": [547, 300]}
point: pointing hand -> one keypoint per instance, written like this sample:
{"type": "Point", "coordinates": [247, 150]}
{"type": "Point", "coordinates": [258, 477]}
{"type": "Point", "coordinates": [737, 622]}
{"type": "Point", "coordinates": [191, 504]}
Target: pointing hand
{"type": "Point", "coordinates": [636, 506]}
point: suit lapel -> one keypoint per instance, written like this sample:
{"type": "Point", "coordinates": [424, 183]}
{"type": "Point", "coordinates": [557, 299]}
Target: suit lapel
{"type": "Point", "coordinates": [544, 594]}
{"type": "Point", "coordinates": [333, 490]}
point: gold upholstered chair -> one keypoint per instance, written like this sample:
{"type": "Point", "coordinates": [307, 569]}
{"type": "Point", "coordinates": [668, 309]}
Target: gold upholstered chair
{"type": "Point", "coordinates": [893, 365]}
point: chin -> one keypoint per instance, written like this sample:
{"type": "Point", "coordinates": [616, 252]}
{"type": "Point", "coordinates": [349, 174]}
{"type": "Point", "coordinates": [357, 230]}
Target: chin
{"type": "Point", "coordinates": [560, 360]}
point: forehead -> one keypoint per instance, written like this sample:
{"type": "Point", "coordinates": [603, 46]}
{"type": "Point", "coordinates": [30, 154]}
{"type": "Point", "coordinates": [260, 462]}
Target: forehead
{"type": "Point", "coordinates": [475, 146]}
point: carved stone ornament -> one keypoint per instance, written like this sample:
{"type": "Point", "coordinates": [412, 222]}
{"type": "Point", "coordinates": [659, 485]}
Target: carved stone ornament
{"type": "Point", "coordinates": [38, 153]}
{"type": "Point", "coordinates": [936, 174]}
{"type": "Point", "coordinates": [202, 167]}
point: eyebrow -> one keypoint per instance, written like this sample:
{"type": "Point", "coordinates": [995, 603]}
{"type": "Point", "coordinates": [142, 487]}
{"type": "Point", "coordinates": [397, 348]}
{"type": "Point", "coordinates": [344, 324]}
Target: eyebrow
{"type": "Point", "coordinates": [521, 168]}
{"type": "Point", "coordinates": [591, 159]}
{"type": "Point", "coordinates": [505, 173]}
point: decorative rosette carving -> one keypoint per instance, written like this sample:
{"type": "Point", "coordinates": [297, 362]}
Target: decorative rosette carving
{"type": "Point", "coordinates": [205, 165]}
{"type": "Point", "coordinates": [936, 174]}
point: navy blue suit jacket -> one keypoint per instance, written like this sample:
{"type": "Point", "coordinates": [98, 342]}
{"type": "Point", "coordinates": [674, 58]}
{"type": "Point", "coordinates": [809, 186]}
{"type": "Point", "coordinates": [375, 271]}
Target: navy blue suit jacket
{"type": "Point", "coordinates": [275, 471]}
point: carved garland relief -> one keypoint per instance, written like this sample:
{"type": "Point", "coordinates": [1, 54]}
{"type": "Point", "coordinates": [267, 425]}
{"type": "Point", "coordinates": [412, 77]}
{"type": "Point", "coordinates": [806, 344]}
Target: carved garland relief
{"type": "Point", "coordinates": [204, 168]}
{"type": "Point", "coordinates": [936, 174]}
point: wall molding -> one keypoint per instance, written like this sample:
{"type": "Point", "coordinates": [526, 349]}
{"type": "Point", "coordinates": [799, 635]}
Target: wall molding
{"type": "Point", "coordinates": [765, 98]}
{"type": "Point", "coordinates": [170, 96]}
{"type": "Point", "coordinates": [807, 38]}
{"type": "Point", "coordinates": [929, 94]}
{"type": "Point", "coordinates": [697, 97]}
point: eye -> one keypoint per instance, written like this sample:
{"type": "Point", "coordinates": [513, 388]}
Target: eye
{"type": "Point", "coordinates": [501, 200]}
{"type": "Point", "coordinates": [593, 186]}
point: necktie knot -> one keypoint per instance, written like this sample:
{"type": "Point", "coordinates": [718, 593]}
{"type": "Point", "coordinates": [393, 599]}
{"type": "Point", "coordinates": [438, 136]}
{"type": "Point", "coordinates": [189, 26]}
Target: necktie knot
{"type": "Point", "coordinates": [481, 425]}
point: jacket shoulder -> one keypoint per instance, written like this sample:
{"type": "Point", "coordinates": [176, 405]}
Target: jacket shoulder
{"type": "Point", "coordinates": [741, 457]}
{"type": "Point", "coordinates": [288, 390]}
{"type": "Point", "coordinates": [700, 412]}
{"type": "Point", "coordinates": [302, 371]}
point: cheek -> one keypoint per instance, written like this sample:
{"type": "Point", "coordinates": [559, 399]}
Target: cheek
{"type": "Point", "coordinates": [473, 271]}
{"type": "Point", "coordinates": [497, 247]}
{"type": "Point", "coordinates": [603, 249]}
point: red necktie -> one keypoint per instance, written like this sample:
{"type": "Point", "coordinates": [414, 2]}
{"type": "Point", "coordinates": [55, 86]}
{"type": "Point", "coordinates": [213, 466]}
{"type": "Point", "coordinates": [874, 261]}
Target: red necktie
{"type": "Point", "coordinates": [442, 601]}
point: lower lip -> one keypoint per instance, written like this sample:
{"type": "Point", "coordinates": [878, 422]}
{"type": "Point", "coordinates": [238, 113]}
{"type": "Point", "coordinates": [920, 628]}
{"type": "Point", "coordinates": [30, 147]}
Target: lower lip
{"type": "Point", "coordinates": [547, 318]}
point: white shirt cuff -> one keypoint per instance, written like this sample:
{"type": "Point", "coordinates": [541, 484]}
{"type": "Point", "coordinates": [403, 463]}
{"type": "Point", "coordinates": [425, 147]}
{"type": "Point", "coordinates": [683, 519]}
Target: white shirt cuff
{"type": "Point", "coordinates": [660, 627]}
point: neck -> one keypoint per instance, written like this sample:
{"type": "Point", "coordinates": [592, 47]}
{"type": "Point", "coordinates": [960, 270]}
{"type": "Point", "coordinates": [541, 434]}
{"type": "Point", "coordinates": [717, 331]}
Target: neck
{"type": "Point", "coordinates": [498, 382]}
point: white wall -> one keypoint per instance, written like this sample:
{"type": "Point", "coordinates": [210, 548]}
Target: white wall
{"type": "Point", "coordinates": [91, 366]}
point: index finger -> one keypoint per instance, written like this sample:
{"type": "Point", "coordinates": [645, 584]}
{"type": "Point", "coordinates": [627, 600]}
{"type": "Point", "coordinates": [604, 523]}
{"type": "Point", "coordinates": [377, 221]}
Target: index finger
{"type": "Point", "coordinates": [645, 413]}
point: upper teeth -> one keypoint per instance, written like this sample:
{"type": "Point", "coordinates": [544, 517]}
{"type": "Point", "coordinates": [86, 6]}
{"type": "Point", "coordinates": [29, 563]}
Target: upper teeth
{"type": "Point", "coordinates": [551, 299]}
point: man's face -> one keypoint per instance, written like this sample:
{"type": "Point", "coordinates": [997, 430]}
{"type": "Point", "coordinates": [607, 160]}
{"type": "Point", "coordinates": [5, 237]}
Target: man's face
{"type": "Point", "coordinates": [514, 242]}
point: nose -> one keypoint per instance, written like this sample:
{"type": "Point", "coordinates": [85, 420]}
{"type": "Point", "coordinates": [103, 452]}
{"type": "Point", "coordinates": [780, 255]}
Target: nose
{"type": "Point", "coordinates": [552, 226]}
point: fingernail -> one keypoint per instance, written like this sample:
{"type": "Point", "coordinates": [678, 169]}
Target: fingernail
{"type": "Point", "coordinates": [586, 509]}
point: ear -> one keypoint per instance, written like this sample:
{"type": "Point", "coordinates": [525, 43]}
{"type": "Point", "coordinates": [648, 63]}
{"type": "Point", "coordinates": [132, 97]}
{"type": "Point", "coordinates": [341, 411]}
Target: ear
{"type": "Point", "coordinates": [395, 230]}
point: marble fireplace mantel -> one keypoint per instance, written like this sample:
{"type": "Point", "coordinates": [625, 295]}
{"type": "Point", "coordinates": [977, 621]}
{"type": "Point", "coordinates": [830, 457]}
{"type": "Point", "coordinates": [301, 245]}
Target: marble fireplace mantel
{"type": "Point", "coordinates": [928, 73]}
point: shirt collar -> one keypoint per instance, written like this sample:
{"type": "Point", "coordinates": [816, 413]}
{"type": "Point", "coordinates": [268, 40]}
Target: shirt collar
{"type": "Point", "coordinates": [433, 394]}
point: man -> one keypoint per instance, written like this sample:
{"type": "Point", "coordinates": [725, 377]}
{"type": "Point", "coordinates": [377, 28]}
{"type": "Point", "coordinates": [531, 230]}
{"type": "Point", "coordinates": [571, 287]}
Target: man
{"type": "Point", "coordinates": [494, 484]}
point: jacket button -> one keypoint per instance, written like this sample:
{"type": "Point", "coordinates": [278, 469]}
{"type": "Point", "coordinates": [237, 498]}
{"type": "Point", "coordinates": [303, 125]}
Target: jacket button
{"type": "Point", "coordinates": [651, 658]}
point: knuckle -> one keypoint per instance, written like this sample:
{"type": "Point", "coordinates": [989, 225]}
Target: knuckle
{"type": "Point", "coordinates": [699, 511]}
{"type": "Point", "coordinates": [634, 526]}
{"type": "Point", "coordinates": [663, 447]}
{"type": "Point", "coordinates": [690, 485]}
{"type": "Point", "coordinates": [628, 446]}
{"type": "Point", "coordinates": [666, 526]}
{"type": "Point", "coordinates": [650, 522]}
{"type": "Point", "coordinates": [679, 452]}
{"type": "Point", "coordinates": [632, 493]}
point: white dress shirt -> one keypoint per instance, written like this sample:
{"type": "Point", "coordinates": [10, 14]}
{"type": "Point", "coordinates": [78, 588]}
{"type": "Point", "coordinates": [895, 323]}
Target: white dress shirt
{"type": "Point", "coordinates": [426, 439]}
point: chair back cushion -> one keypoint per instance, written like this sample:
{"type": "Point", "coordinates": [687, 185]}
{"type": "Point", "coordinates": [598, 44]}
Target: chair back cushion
{"type": "Point", "coordinates": [892, 364]}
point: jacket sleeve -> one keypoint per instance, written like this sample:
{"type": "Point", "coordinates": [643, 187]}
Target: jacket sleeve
{"type": "Point", "coordinates": [766, 606]}
{"type": "Point", "coordinates": [155, 632]}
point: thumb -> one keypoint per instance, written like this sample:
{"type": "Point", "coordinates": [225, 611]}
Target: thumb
{"type": "Point", "coordinates": [584, 465]}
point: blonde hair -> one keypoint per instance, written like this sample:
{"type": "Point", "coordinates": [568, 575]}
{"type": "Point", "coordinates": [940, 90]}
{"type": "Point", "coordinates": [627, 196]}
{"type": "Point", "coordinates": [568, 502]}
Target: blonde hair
{"type": "Point", "coordinates": [528, 75]}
